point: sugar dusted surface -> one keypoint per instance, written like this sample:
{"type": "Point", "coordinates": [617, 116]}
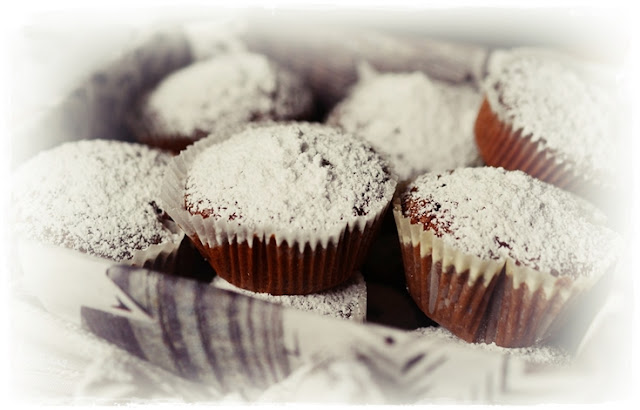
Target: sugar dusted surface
{"type": "Point", "coordinates": [347, 301]}
{"type": "Point", "coordinates": [559, 108]}
{"type": "Point", "coordinates": [93, 196]}
{"type": "Point", "coordinates": [543, 355]}
{"type": "Point", "coordinates": [493, 214]}
{"type": "Point", "coordinates": [230, 89]}
{"type": "Point", "coordinates": [419, 123]}
{"type": "Point", "coordinates": [295, 176]}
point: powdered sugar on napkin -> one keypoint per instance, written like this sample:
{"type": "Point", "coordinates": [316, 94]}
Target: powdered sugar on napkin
{"type": "Point", "coordinates": [534, 354]}
{"type": "Point", "coordinates": [493, 213]}
{"type": "Point", "coordinates": [296, 176]}
{"type": "Point", "coordinates": [346, 301]}
{"type": "Point", "coordinates": [419, 123]}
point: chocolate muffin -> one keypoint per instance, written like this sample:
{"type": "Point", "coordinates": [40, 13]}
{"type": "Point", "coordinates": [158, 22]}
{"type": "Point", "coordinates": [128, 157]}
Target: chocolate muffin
{"type": "Point", "coordinates": [280, 208]}
{"type": "Point", "coordinates": [418, 123]}
{"type": "Point", "coordinates": [549, 118]}
{"type": "Point", "coordinates": [498, 256]}
{"type": "Point", "coordinates": [209, 96]}
{"type": "Point", "coordinates": [99, 197]}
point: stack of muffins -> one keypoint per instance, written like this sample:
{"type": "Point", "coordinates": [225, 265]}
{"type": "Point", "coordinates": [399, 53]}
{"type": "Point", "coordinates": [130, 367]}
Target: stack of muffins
{"type": "Point", "coordinates": [232, 166]}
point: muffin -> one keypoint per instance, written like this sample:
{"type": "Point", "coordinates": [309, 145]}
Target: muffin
{"type": "Point", "coordinates": [212, 95]}
{"type": "Point", "coordinates": [99, 197]}
{"type": "Point", "coordinates": [280, 208]}
{"type": "Point", "coordinates": [549, 118]}
{"type": "Point", "coordinates": [418, 123]}
{"type": "Point", "coordinates": [498, 256]}
{"type": "Point", "coordinates": [346, 301]}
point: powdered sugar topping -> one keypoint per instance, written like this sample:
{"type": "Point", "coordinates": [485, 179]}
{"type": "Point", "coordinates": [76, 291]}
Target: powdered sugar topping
{"type": "Point", "coordinates": [296, 176]}
{"type": "Point", "coordinates": [559, 108]}
{"type": "Point", "coordinates": [94, 196]}
{"type": "Point", "coordinates": [223, 91]}
{"type": "Point", "coordinates": [494, 214]}
{"type": "Point", "coordinates": [420, 124]}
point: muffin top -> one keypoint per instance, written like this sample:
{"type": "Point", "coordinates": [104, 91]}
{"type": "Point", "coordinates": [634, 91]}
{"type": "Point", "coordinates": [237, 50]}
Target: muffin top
{"type": "Point", "coordinates": [289, 177]}
{"type": "Point", "coordinates": [493, 214]}
{"type": "Point", "coordinates": [419, 124]}
{"type": "Point", "coordinates": [556, 105]}
{"type": "Point", "coordinates": [93, 196]}
{"type": "Point", "coordinates": [226, 90]}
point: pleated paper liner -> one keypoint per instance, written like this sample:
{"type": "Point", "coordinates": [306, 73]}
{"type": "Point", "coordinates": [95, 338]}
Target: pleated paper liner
{"type": "Point", "coordinates": [501, 146]}
{"type": "Point", "coordinates": [450, 288]}
{"type": "Point", "coordinates": [528, 306]}
{"type": "Point", "coordinates": [179, 258]}
{"type": "Point", "coordinates": [483, 300]}
{"type": "Point", "coordinates": [288, 269]}
{"type": "Point", "coordinates": [266, 260]}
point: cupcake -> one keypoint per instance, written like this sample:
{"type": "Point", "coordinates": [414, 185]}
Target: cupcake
{"type": "Point", "coordinates": [209, 96]}
{"type": "Point", "coordinates": [418, 123]}
{"type": "Point", "coordinates": [546, 116]}
{"type": "Point", "coordinates": [498, 256]}
{"type": "Point", "coordinates": [98, 197]}
{"type": "Point", "coordinates": [346, 301]}
{"type": "Point", "coordinates": [280, 208]}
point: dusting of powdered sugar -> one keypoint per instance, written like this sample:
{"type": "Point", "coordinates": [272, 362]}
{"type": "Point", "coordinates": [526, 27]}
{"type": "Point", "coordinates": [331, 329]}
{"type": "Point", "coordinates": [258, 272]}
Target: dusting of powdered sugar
{"type": "Point", "coordinates": [294, 176]}
{"type": "Point", "coordinates": [419, 123]}
{"type": "Point", "coordinates": [558, 107]}
{"type": "Point", "coordinates": [224, 91]}
{"type": "Point", "coordinates": [346, 301]}
{"type": "Point", "coordinates": [540, 355]}
{"type": "Point", "coordinates": [494, 214]}
{"type": "Point", "coordinates": [93, 196]}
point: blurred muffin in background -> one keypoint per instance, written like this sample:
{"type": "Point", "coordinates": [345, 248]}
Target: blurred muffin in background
{"type": "Point", "coordinates": [417, 123]}
{"type": "Point", "coordinates": [213, 95]}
